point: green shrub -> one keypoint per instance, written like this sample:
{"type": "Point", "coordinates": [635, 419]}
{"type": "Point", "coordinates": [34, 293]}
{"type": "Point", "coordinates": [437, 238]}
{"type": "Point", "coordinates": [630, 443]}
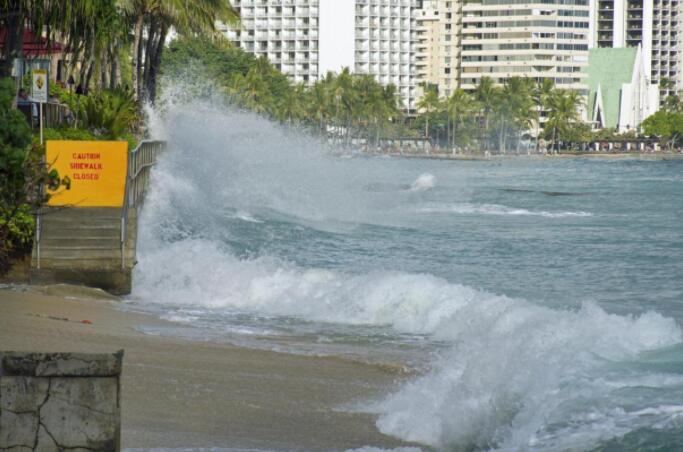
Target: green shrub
{"type": "Point", "coordinates": [109, 114]}
{"type": "Point", "coordinates": [21, 174]}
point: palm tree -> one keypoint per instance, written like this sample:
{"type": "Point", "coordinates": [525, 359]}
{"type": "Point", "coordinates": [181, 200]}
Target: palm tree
{"type": "Point", "coordinates": [429, 103]}
{"type": "Point", "coordinates": [319, 103]}
{"type": "Point", "coordinates": [252, 90]}
{"type": "Point", "coordinates": [391, 105]}
{"type": "Point", "coordinates": [41, 15]}
{"type": "Point", "coordinates": [152, 21]}
{"type": "Point", "coordinates": [344, 99]}
{"type": "Point", "coordinates": [486, 96]}
{"type": "Point", "coordinates": [458, 107]}
{"type": "Point", "coordinates": [516, 108]}
{"type": "Point", "coordinates": [542, 92]}
{"type": "Point", "coordinates": [564, 108]}
{"type": "Point", "coordinates": [289, 105]}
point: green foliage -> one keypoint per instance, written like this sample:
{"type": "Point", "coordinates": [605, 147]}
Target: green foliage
{"type": "Point", "coordinates": [18, 230]}
{"type": "Point", "coordinates": [666, 125]}
{"type": "Point", "coordinates": [344, 102]}
{"type": "Point", "coordinates": [107, 113]}
{"type": "Point", "coordinates": [22, 173]}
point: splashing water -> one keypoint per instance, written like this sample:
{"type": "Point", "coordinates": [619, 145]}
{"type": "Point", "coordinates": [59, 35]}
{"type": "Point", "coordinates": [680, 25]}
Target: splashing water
{"type": "Point", "coordinates": [424, 182]}
{"type": "Point", "coordinates": [257, 229]}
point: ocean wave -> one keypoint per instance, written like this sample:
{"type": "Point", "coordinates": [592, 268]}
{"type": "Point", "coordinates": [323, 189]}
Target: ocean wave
{"type": "Point", "coordinates": [513, 371]}
{"type": "Point", "coordinates": [496, 209]}
{"type": "Point", "coordinates": [524, 377]}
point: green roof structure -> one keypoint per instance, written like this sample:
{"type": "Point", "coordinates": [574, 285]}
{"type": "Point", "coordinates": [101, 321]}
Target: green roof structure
{"type": "Point", "coordinates": [608, 69]}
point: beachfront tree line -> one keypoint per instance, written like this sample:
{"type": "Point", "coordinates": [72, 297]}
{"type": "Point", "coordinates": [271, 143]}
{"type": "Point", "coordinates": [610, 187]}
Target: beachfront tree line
{"type": "Point", "coordinates": [343, 105]}
{"type": "Point", "coordinates": [348, 106]}
{"type": "Point", "coordinates": [501, 117]}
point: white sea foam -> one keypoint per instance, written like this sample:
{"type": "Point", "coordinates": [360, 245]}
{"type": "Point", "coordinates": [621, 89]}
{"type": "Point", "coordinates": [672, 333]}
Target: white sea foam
{"type": "Point", "coordinates": [424, 182]}
{"type": "Point", "coordinates": [516, 369]}
{"type": "Point", "coordinates": [496, 209]}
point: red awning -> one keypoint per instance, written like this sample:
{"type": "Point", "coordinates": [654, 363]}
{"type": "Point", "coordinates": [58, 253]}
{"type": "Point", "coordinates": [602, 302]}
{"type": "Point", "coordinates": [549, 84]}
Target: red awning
{"type": "Point", "coordinates": [33, 45]}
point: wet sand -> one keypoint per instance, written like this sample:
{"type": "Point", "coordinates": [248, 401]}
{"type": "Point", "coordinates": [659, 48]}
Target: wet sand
{"type": "Point", "coordinates": [180, 393]}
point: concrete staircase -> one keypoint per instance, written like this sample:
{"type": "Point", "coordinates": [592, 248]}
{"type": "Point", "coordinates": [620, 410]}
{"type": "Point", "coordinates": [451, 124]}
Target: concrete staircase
{"type": "Point", "coordinates": [83, 246]}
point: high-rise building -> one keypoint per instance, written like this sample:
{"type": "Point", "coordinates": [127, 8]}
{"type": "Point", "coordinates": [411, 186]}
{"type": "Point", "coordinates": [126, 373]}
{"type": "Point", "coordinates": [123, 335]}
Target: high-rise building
{"type": "Point", "coordinates": [653, 24]}
{"type": "Point", "coordinates": [538, 39]}
{"type": "Point", "coordinates": [307, 38]}
{"type": "Point", "coordinates": [437, 44]}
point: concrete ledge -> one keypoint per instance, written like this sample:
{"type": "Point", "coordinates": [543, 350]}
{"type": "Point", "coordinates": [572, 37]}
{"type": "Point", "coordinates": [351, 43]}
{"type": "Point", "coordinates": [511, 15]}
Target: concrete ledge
{"type": "Point", "coordinates": [60, 364]}
{"type": "Point", "coordinates": [60, 401]}
{"type": "Point", "coordinates": [117, 281]}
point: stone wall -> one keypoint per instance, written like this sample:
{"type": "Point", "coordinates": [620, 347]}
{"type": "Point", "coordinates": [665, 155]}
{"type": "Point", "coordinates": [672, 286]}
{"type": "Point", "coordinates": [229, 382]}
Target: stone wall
{"type": "Point", "coordinates": [59, 401]}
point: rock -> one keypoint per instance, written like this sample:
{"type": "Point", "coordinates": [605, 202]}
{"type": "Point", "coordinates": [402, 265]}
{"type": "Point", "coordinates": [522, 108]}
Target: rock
{"type": "Point", "coordinates": [75, 291]}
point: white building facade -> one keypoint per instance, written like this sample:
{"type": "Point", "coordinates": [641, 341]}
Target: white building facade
{"type": "Point", "coordinates": [438, 44]}
{"type": "Point", "coordinates": [526, 38]}
{"type": "Point", "coordinates": [652, 24]}
{"type": "Point", "coordinates": [305, 39]}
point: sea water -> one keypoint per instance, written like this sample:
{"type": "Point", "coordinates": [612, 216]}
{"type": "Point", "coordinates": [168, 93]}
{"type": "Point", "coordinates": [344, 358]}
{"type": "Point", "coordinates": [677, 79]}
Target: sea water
{"type": "Point", "coordinates": [540, 300]}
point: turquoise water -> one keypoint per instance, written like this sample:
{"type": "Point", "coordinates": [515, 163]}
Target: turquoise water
{"type": "Point", "coordinates": [542, 300]}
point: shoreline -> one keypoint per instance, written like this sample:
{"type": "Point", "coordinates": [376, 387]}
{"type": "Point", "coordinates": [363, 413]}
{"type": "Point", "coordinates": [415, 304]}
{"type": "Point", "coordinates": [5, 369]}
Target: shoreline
{"type": "Point", "coordinates": [565, 155]}
{"type": "Point", "coordinates": [180, 393]}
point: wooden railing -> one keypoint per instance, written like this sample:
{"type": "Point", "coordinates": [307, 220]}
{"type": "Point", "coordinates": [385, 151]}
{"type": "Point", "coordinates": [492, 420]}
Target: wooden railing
{"type": "Point", "coordinates": [54, 114]}
{"type": "Point", "coordinates": [140, 163]}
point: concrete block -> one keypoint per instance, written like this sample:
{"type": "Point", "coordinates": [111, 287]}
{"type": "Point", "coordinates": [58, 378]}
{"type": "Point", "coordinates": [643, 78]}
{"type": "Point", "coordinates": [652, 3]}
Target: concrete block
{"type": "Point", "coordinates": [60, 401]}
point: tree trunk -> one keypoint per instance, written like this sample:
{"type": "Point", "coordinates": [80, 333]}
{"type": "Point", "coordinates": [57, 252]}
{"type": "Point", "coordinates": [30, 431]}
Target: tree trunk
{"type": "Point", "coordinates": [148, 57]}
{"type": "Point", "coordinates": [448, 129]}
{"type": "Point", "coordinates": [114, 74]}
{"type": "Point", "coordinates": [154, 60]}
{"type": "Point", "coordinates": [137, 50]}
{"type": "Point", "coordinates": [538, 128]}
{"type": "Point", "coordinates": [501, 136]}
{"type": "Point", "coordinates": [14, 41]}
{"type": "Point", "coordinates": [88, 76]}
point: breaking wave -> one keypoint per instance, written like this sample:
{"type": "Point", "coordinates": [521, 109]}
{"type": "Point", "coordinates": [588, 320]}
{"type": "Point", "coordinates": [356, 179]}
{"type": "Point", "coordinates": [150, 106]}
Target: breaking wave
{"type": "Point", "coordinates": [515, 375]}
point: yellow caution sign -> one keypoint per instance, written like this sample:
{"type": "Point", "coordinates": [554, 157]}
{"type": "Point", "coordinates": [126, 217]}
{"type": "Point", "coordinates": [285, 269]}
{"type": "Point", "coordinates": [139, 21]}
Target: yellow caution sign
{"type": "Point", "coordinates": [97, 170]}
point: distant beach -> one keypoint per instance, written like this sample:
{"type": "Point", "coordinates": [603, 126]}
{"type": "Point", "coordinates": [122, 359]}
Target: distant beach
{"type": "Point", "coordinates": [200, 394]}
{"type": "Point", "coordinates": [511, 156]}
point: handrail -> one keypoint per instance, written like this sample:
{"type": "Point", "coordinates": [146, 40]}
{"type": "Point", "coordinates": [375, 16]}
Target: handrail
{"type": "Point", "coordinates": [140, 161]}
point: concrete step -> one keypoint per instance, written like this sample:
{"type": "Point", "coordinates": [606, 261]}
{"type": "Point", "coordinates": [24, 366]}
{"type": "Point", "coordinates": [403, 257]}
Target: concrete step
{"type": "Point", "coordinates": [104, 243]}
{"type": "Point", "coordinates": [86, 234]}
{"type": "Point", "coordinates": [103, 263]}
{"type": "Point", "coordinates": [77, 253]}
{"type": "Point", "coordinates": [83, 213]}
{"type": "Point", "coordinates": [82, 223]}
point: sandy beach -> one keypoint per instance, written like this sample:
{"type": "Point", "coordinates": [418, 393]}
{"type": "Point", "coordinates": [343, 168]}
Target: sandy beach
{"type": "Point", "coordinates": [180, 393]}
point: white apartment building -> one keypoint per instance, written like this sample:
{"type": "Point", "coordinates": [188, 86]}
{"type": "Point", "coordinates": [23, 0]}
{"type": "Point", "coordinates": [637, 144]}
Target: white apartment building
{"type": "Point", "coordinates": [527, 38]}
{"type": "Point", "coordinates": [654, 24]}
{"type": "Point", "coordinates": [437, 44]}
{"type": "Point", "coordinates": [305, 39]}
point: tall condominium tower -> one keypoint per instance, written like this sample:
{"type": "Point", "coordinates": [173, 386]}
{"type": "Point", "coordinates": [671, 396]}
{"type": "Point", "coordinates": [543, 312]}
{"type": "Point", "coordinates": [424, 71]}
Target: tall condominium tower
{"type": "Point", "coordinates": [653, 24]}
{"type": "Point", "coordinates": [437, 44]}
{"type": "Point", "coordinates": [307, 38]}
{"type": "Point", "coordinates": [528, 38]}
